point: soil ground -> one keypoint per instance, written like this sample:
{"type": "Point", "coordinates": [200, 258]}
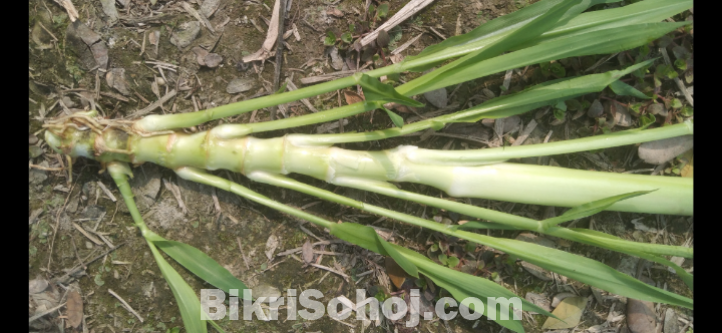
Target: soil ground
{"type": "Point", "coordinates": [218, 222]}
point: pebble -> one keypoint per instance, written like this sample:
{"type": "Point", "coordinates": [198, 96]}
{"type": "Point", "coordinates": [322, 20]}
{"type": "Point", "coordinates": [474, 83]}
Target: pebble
{"type": "Point", "coordinates": [116, 79]}
{"type": "Point", "coordinates": [662, 151]}
{"type": "Point", "coordinates": [670, 321]}
{"type": "Point", "coordinates": [209, 7]}
{"type": "Point", "coordinates": [641, 317]}
{"type": "Point", "coordinates": [658, 109]}
{"type": "Point", "coordinates": [37, 286]}
{"type": "Point", "coordinates": [68, 102]}
{"type": "Point", "coordinates": [93, 212]}
{"type": "Point", "coordinates": [596, 109]}
{"type": "Point", "coordinates": [33, 139]}
{"type": "Point", "coordinates": [37, 176]}
{"type": "Point", "coordinates": [201, 54]}
{"type": "Point", "coordinates": [265, 290]}
{"type": "Point", "coordinates": [622, 116]}
{"type": "Point", "coordinates": [488, 93]}
{"type": "Point", "coordinates": [336, 60]}
{"type": "Point", "coordinates": [186, 34]}
{"type": "Point", "coordinates": [437, 98]}
{"type": "Point", "coordinates": [212, 60]}
{"type": "Point", "coordinates": [239, 85]}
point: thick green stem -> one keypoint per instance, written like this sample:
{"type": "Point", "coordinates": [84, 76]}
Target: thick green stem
{"type": "Point", "coordinates": [533, 184]}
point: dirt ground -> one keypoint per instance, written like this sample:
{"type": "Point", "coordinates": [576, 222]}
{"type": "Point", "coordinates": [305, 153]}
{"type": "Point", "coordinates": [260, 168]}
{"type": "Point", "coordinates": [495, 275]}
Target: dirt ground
{"type": "Point", "coordinates": [113, 256]}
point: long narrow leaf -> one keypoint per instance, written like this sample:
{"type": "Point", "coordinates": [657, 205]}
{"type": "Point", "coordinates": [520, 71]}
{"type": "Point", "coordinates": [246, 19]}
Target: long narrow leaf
{"type": "Point", "coordinates": [354, 233]}
{"type": "Point", "coordinates": [598, 42]}
{"type": "Point", "coordinates": [395, 118]}
{"type": "Point", "coordinates": [474, 225]}
{"type": "Point", "coordinates": [188, 303]}
{"type": "Point", "coordinates": [577, 267]}
{"type": "Point", "coordinates": [587, 209]}
{"type": "Point", "coordinates": [510, 220]}
{"type": "Point", "coordinates": [461, 285]}
{"type": "Point", "coordinates": [618, 244]}
{"type": "Point", "coordinates": [556, 15]}
{"type": "Point", "coordinates": [453, 288]}
{"type": "Point", "coordinates": [622, 89]}
{"type": "Point", "coordinates": [359, 234]}
{"type": "Point", "coordinates": [504, 220]}
{"type": "Point", "coordinates": [627, 17]}
{"type": "Point", "coordinates": [574, 266]}
{"type": "Point", "coordinates": [641, 12]}
{"type": "Point", "coordinates": [188, 256]}
{"type": "Point", "coordinates": [648, 11]}
{"type": "Point", "coordinates": [216, 326]}
{"type": "Point", "coordinates": [593, 237]}
{"type": "Point", "coordinates": [496, 26]}
{"type": "Point", "coordinates": [366, 239]}
{"type": "Point", "coordinates": [537, 96]}
{"type": "Point", "coordinates": [580, 268]}
{"type": "Point", "coordinates": [201, 265]}
{"type": "Point", "coordinates": [542, 95]}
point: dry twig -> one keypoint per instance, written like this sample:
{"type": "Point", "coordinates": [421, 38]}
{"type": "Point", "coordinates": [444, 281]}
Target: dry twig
{"type": "Point", "coordinates": [68, 5]}
{"type": "Point", "coordinates": [407, 11]}
{"type": "Point", "coordinates": [279, 53]}
{"type": "Point", "coordinates": [125, 305]}
{"type": "Point", "coordinates": [273, 31]}
{"type": "Point", "coordinates": [153, 105]}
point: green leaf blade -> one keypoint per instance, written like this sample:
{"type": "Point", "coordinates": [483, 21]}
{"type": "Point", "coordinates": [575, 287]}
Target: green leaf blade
{"type": "Point", "coordinates": [188, 303]}
{"type": "Point", "coordinates": [648, 11]}
{"type": "Point", "coordinates": [545, 94]}
{"type": "Point", "coordinates": [622, 89]}
{"type": "Point", "coordinates": [588, 209]}
{"type": "Point", "coordinates": [598, 42]}
{"type": "Point", "coordinates": [367, 238]}
{"type": "Point", "coordinates": [596, 238]}
{"type": "Point", "coordinates": [201, 265]}
{"type": "Point", "coordinates": [395, 118]}
{"type": "Point", "coordinates": [462, 285]}
{"type": "Point", "coordinates": [508, 22]}
{"type": "Point", "coordinates": [580, 268]}
{"type": "Point", "coordinates": [374, 90]}
{"type": "Point", "coordinates": [557, 14]}
{"type": "Point", "coordinates": [474, 225]}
